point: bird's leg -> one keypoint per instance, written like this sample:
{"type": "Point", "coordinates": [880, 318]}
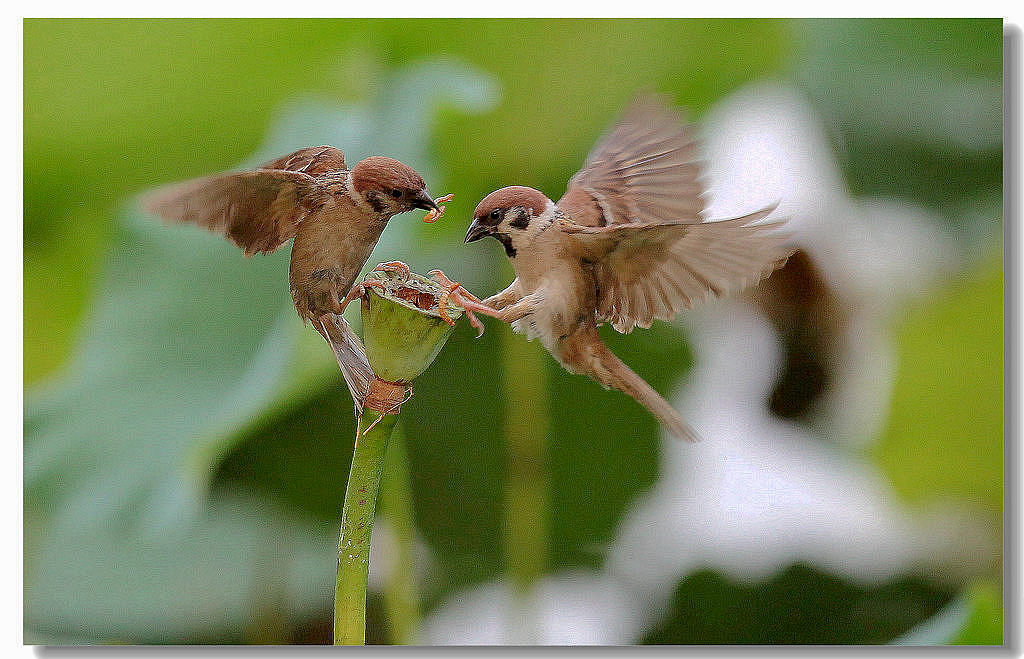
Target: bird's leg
{"type": "Point", "coordinates": [394, 266]}
{"type": "Point", "coordinates": [358, 291]}
{"type": "Point", "coordinates": [506, 297]}
{"type": "Point", "coordinates": [451, 292]}
{"type": "Point", "coordinates": [520, 309]}
{"type": "Point", "coordinates": [443, 279]}
{"type": "Point", "coordinates": [509, 314]}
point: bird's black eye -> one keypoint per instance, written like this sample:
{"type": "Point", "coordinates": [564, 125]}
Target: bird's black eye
{"type": "Point", "coordinates": [396, 193]}
{"type": "Point", "coordinates": [495, 214]}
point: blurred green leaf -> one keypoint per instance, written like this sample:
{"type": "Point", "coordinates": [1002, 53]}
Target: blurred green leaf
{"type": "Point", "coordinates": [944, 437]}
{"type": "Point", "coordinates": [799, 605]}
{"type": "Point", "coordinates": [975, 617]}
{"type": "Point", "coordinates": [203, 581]}
{"type": "Point", "coordinates": [984, 624]}
{"type": "Point", "coordinates": [916, 108]}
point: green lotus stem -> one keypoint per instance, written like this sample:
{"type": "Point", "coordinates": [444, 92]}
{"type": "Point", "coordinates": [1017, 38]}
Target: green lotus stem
{"type": "Point", "coordinates": [357, 526]}
{"type": "Point", "coordinates": [527, 485]}
{"type": "Point", "coordinates": [402, 332]}
{"type": "Point", "coordinates": [401, 598]}
{"type": "Point", "coordinates": [526, 488]}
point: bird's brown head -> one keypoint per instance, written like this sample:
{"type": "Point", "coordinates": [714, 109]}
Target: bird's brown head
{"type": "Point", "coordinates": [509, 215]}
{"type": "Point", "coordinates": [390, 187]}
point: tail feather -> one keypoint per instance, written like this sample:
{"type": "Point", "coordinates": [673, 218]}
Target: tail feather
{"type": "Point", "coordinates": [351, 355]}
{"type": "Point", "coordinates": [593, 358]}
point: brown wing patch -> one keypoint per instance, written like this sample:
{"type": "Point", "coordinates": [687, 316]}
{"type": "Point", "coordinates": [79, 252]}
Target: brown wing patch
{"type": "Point", "coordinates": [258, 211]}
{"type": "Point", "coordinates": [583, 208]}
{"type": "Point", "coordinates": [653, 271]}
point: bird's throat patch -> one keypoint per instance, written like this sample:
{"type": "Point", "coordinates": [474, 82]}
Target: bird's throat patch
{"type": "Point", "coordinates": [506, 242]}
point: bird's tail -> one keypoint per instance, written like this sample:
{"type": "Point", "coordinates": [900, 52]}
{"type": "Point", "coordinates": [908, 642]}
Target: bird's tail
{"type": "Point", "coordinates": [600, 363]}
{"type": "Point", "coordinates": [351, 355]}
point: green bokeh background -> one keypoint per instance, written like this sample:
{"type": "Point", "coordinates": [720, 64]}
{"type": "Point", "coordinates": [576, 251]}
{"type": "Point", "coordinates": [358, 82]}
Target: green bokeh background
{"type": "Point", "coordinates": [179, 419]}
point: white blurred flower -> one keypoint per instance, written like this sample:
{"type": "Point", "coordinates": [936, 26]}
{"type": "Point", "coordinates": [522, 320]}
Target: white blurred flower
{"type": "Point", "coordinates": [765, 145]}
{"type": "Point", "coordinates": [760, 493]}
{"type": "Point", "coordinates": [570, 608]}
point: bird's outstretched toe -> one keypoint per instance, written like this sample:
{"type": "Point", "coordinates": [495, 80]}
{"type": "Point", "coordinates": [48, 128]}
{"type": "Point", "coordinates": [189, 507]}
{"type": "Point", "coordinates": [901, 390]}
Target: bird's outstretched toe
{"type": "Point", "coordinates": [458, 294]}
{"type": "Point", "coordinates": [394, 266]}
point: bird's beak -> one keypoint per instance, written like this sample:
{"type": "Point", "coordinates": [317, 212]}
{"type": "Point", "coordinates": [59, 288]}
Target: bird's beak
{"type": "Point", "coordinates": [476, 231]}
{"type": "Point", "coordinates": [425, 201]}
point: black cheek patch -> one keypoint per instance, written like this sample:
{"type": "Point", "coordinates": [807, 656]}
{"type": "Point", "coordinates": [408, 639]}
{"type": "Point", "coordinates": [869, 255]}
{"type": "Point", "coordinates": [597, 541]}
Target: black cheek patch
{"type": "Point", "coordinates": [521, 222]}
{"type": "Point", "coordinates": [376, 200]}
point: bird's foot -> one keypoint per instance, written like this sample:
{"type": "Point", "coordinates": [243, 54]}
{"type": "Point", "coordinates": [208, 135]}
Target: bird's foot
{"type": "Point", "coordinates": [358, 291]}
{"type": "Point", "coordinates": [443, 279]}
{"type": "Point", "coordinates": [461, 298]}
{"type": "Point", "coordinates": [394, 266]}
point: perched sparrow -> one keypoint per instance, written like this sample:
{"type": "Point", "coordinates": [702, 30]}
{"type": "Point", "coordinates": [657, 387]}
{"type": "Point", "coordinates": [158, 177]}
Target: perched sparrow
{"type": "Point", "coordinates": [625, 245]}
{"type": "Point", "coordinates": [335, 214]}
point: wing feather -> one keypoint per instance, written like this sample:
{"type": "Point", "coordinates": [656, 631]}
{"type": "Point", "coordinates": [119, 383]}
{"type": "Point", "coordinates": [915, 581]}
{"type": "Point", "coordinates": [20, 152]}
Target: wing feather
{"type": "Point", "coordinates": [645, 170]}
{"type": "Point", "coordinates": [258, 210]}
{"type": "Point", "coordinates": [653, 271]}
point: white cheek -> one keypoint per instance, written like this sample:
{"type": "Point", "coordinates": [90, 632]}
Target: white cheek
{"type": "Point", "coordinates": [520, 240]}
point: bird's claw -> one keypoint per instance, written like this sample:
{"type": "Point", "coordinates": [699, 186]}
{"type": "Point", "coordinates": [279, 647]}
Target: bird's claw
{"type": "Point", "coordinates": [443, 279]}
{"type": "Point", "coordinates": [358, 291]}
{"type": "Point", "coordinates": [460, 298]}
{"type": "Point", "coordinates": [394, 266]}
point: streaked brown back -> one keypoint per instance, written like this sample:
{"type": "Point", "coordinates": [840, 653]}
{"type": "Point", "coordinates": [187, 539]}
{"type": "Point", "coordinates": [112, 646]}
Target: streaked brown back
{"type": "Point", "coordinates": [312, 160]}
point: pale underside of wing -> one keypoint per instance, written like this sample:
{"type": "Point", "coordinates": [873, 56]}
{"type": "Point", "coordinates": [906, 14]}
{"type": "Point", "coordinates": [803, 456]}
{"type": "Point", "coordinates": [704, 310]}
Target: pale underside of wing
{"type": "Point", "coordinates": [653, 271]}
{"type": "Point", "coordinates": [257, 210]}
{"type": "Point", "coordinates": [645, 170]}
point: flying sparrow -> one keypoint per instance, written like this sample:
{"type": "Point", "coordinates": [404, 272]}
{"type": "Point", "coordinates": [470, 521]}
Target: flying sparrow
{"type": "Point", "coordinates": [625, 245]}
{"type": "Point", "coordinates": [335, 214]}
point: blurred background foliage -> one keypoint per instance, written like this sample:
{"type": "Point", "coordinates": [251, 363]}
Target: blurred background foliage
{"type": "Point", "coordinates": [187, 440]}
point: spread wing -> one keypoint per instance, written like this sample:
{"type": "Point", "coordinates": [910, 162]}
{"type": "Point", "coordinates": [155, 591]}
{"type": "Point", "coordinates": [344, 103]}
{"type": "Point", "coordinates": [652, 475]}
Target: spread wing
{"type": "Point", "coordinates": [648, 271]}
{"type": "Point", "coordinates": [644, 171]}
{"type": "Point", "coordinates": [257, 210]}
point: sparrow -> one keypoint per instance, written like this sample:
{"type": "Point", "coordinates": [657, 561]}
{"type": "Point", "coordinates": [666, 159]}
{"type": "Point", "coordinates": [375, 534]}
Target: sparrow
{"type": "Point", "coordinates": [334, 213]}
{"type": "Point", "coordinates": [625, 245]}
